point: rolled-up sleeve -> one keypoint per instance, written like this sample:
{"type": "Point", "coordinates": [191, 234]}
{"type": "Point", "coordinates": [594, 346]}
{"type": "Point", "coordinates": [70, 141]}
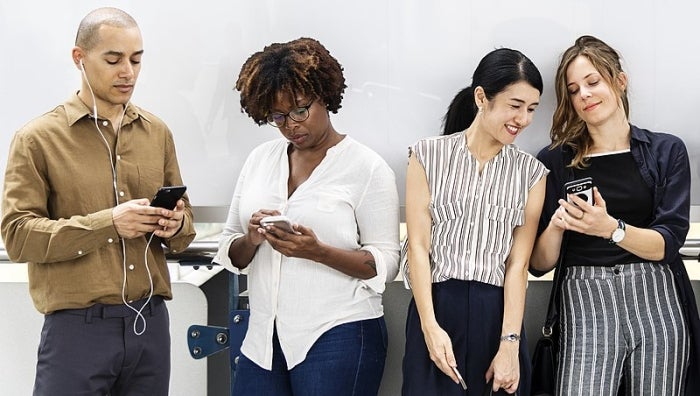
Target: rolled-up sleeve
{"type": "Point", "coordinates": [672, 215]}
{"type": "Point", "coordinates": [378, 223]}
{"type": "Point", "coordinates": [233, 228]}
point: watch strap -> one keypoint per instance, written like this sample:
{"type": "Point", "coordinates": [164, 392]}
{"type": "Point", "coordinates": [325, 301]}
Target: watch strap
{"type": "Point", "coordinates": [512, 337]}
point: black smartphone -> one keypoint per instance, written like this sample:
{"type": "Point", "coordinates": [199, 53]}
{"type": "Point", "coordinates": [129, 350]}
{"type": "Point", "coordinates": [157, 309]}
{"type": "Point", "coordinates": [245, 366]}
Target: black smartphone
{"type": "Point", "coordinates": [167, 197]}
{"type": "Point", "coordinates": [582, 188]}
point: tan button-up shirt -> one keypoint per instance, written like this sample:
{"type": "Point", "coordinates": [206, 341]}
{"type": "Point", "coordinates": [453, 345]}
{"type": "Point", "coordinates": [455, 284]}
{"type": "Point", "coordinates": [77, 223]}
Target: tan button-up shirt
{"type": "Point", "coordinates": [58, 198]}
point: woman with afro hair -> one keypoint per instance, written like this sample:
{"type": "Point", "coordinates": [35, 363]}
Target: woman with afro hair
{"type": "Point", "coordinates": [316, 317]}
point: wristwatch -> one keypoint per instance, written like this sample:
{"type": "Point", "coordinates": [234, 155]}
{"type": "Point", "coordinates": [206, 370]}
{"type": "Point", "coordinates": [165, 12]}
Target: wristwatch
{"type": "Point", "coordinates": [619, 234]}
{"type": "Point", "coordinates": [511, 337]}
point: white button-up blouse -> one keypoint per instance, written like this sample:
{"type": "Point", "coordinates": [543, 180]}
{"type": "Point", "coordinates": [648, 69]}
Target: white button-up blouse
{"type": "Point", "coordinates": [350, 201]}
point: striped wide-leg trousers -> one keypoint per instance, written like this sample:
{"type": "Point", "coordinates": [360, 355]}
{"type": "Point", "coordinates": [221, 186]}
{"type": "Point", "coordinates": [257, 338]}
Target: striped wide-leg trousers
{"type": "Point", "coordinates": [620, 322]}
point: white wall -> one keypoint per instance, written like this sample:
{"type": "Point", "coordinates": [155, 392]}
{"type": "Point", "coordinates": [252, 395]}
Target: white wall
{"type": "Point", "coordinates": [404, 60]}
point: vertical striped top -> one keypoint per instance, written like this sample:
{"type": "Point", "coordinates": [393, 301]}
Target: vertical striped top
{"type": "Point", "coordinates": [474, 214]}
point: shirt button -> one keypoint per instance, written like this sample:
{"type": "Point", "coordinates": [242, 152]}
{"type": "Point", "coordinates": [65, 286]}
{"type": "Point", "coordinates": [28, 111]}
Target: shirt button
{"type": "Point", "coordinates": [121, 193]}
{"type": "Point", "coordinates": [80, 252]}
{"type": "Point", "coordinates": [616, 271]}
{"type": "Point", "coordinates": [110, 240]}
{"type": "Point", "coordinates": [131, 267]}
{"type": "Point", "coordinates": [119, 157]}
{"type": "Point", "coordinates": [105, 123]}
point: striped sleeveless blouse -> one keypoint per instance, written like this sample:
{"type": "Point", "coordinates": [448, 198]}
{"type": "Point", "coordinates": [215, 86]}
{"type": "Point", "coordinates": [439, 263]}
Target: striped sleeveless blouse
{"type": "Point", "coordinates": [473, 214]}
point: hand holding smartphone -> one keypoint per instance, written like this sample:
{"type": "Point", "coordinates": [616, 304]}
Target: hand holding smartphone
{"type": "Point", "coordinates": [582, 188]}
{"type": "Point", "coordinates": [167, 197]}
{"type": "Point", "coordinates": [282, 222]}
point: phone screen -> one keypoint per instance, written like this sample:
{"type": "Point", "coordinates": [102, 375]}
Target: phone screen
{"type": "Point", "coordinates": [167, 197]}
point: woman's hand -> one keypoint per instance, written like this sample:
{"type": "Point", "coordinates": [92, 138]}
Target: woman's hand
{"type": "Point", "coordinates": [505, 368]}
{"type": "Point", "coordinates": [303, 243]}
{"type": "Point", "coordinates": [585, 218]}
{"type": "Point", "coordinates": [255, 235]}
{"type": "Point", "coordinates": [440, 349]}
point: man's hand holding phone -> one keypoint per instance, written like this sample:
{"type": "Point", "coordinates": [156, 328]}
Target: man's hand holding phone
{"type": "Point", "coordinates": [136, 218]}
{"type": "Point", "coordinates": [169, 197]}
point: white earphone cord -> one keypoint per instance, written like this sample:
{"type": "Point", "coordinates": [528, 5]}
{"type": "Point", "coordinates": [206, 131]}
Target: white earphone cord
{"type": "Point", "coordinates": [139, 314]}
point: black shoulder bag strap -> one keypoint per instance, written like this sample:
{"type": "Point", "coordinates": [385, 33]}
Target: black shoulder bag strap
{"type": "Point", "coordinates": [553, 307]}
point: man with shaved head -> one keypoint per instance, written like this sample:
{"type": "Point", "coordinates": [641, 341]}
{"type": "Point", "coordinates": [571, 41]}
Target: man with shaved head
{"type": "Point", "coordinates": [76, 208]}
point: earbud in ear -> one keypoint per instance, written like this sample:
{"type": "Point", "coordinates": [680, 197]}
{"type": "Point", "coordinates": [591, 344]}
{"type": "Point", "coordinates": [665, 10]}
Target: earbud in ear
{"type": "Point", "coordinates": [81, 65]}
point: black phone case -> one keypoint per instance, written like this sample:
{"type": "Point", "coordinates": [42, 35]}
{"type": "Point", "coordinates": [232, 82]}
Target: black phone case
{"type": "Point", "coordinates": [575, 186]}
{"type": "Point", "coordinates": [582, 188]}
{"type": "Point", "coordinates": [167, 197]}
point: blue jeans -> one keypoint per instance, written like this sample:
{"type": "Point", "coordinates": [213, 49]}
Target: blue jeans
{"type": "Point", "coordinates": [346, 360]}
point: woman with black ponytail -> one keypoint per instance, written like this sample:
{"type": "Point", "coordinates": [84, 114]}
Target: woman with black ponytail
{"type": "Point", "coordinates": [473, 201]}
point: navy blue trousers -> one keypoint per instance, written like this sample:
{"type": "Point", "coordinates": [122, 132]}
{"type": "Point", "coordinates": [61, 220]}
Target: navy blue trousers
{"type": "Point", "coordinates": [94, 351]}
{"type": "Point", "coordinates": [472, 314]}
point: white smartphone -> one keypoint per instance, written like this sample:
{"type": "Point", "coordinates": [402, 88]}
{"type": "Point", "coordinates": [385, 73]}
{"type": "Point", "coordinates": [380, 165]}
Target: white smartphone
{"type": "Point", "coordinates": [582, 188]}
{"type": "Point", "coordinates": [281, 222]}
{"type": "Point", "coordinates": [459, 377]}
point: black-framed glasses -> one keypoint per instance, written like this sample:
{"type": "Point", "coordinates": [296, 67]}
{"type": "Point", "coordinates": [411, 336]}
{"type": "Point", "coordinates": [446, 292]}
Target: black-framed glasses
{"type": "Point", "coordinates": [299, 114]}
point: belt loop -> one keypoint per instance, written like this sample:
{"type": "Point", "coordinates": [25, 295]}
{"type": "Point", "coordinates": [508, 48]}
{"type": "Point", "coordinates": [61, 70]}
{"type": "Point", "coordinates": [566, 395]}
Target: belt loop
{"type": "Point", "coordinates": [88, 315]}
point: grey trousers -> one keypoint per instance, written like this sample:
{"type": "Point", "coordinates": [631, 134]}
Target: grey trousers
{"type": "Point", "coordinates": [95, 351]}
{"type": "Point", "coordinates": [620, 322]}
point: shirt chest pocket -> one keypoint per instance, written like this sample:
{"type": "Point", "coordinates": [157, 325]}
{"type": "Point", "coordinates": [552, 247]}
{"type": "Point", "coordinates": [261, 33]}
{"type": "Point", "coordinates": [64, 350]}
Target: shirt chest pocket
{"type": "Point", "coordinates": [446, 212]}
{"type": "Point", "coordinates": [446, 222]}
{"type": "Point", "coordinates": [330, 200]}
{"type": "Point", "coordinates": [511, 217]}
{"type": "Point", "coordinates": [326, 203]}
{"type": "Point", "coordinates": [501, 222]}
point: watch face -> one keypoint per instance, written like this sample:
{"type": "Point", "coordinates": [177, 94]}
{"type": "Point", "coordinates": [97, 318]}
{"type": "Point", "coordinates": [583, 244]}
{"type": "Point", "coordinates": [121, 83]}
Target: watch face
{"type": "Point", "coordinates": [618, 235]}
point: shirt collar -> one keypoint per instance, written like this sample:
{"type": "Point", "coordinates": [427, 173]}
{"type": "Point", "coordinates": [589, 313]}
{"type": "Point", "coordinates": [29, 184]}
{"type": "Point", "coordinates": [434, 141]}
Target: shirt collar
{"type": "Point", "coordinates": [637, 134]}
{"type": "Point", "coordinates": [76, 110]}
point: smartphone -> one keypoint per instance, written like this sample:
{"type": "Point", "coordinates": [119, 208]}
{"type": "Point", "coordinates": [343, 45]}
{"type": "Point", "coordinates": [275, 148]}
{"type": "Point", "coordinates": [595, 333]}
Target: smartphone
{"type": "Point", "coordinates": [582, 188]}
{"type": "Point", "coordinates": [459, 377]}
{"type": "Point", "coordinates": [167, 197]}
{"type": "Point", "coordinates": [281, 222]}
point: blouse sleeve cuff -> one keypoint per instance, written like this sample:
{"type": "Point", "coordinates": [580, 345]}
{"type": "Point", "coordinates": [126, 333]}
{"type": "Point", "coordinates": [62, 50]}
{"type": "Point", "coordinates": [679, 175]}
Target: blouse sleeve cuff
{"type": "Point", "coordinates": [222, 257]}
{"type": "Point", "coordinates": [387, 269]}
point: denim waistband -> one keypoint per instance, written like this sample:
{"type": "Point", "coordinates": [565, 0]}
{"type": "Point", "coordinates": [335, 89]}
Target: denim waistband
{"type": "Point", "coordinates": [105, 311]}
